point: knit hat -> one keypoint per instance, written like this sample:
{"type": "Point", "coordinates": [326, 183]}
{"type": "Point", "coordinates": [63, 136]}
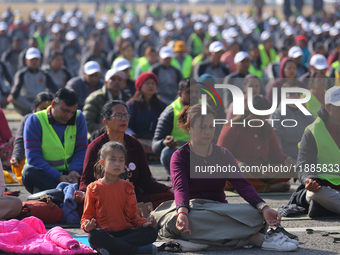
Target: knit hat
{"type": "Point", "coordinates": [143, 77]}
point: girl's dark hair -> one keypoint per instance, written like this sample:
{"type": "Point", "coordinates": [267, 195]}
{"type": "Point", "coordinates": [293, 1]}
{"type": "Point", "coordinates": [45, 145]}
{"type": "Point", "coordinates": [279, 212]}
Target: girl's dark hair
{"type": "Point", "coordinates": [259, 103]}
{"type": "Point", "coordinates": [107, 108]}
{"type": "Point", "coordinates": [41, 97]}
{"type": "Point", "coordinates": [189, 115]}
{"type": "Point", "coordinates": [99, 171]}
{"type": "Point", "coordinates": [141, 104]}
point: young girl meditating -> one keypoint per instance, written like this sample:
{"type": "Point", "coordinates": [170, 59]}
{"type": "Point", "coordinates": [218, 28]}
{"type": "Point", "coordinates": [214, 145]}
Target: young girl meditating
{"type": "Point", "coordinates": [110, 209]}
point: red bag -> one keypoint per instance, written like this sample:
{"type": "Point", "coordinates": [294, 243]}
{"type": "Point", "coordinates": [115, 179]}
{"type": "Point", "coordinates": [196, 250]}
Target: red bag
{"type": "Point", "coordinates": [48, 213]}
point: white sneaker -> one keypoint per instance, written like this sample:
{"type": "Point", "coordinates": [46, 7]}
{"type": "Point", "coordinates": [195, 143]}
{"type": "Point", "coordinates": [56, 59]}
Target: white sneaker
{"type": "Point", "coordinates": [277, 242]}
{"type": "Point", "coordinates": [288, 239]}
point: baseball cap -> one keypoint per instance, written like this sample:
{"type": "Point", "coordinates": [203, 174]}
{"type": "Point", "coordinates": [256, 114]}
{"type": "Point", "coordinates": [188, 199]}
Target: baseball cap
{"type": "Point", "coordinates": [301, 38]}
{"type": "Point", "coordinates": [121, 64]}
{"type": "Point", "coordinates": [104, 19]}
{"type": "Point", "coordinates": [3, 26]}
{"type": "Point", "coordinates": [273, 21]}
{"type": "Point", "coordinates": [305, 26]}
{"type": "Point", "coordinates": [233, 32]}
{"type": "Point", "coordinates": [163, 33]}
{"type": "Point", "coordinates": [216, 46]}
{"type": "Point", "coordinates": [289, 31]}
{"type": "Point", "coordinates": [64, 19]}
{"type": "Point", "coordinates": [144, 31]}
{"type": "Point", "coordinates": [198, 26]}
{"type": "Point", "coordinates": [317, 30]}
{"type": "Point", "coordinates": [337, 24]}
{"type": "Point", "coordinates": [149, 21]}
{"type": "Point", "coordinates": [165, 52]}
{"type": "Point", "coordinates": [126, 33]}
{"type": "Point", "coordinates": [74, 22]}
{"type": "Point", "coordinates": [112, 72]}
{"type": "Point", "coordinates": [300, 19]}
{"type": "Point", "coordinates": [319, 62]}
{"type": "Point", "coordinates": [5, 14]}
{"type": "Point", "coordinates": [179, 24]}
{"type": "Point", "coordinates": [213, 31]}
{"type": "Point", "coordinates": [240, 56]}
{"type": "Point", "coordinates": [70, 36]}
{"type": "Point", "coordinates": [295, 52]}
{"type": "Point", "coordinates": [169, 25]}
{"type": "Point", "coordinates": [17, 21]}
{"type": "Point", "coordinates": [332, 96]}
{"type": "Point", "coordinates": [33, 53]}
{"type": "Point", "coordinates": [56, 28]}
{"type": "Point", "coordinates": [325, 27]}
{"type": "Point", "coordinates": [265, 35]}
{"type": "Point", "coordinates": [333, 31]}
{"type": "Point", "coordinates": [91, 67]}
{"type": "Point", "coordinates": [179, 46]}
{"type": "Point", "coordinates": [100, 25]}
{"type": "Point", "coordinates": [116, 20]}
{"type": "Point", "coordinates": [283, 24]}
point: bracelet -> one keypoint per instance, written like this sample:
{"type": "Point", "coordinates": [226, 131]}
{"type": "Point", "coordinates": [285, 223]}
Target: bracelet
{"type": "Point", "coordinates": [183, 213]}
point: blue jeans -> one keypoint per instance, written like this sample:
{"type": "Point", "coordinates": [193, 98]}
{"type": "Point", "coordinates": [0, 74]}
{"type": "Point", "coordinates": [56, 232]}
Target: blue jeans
{"type": "Point", "coordinates": [36, 177]}
{"type": "Point", "coordinates": [166, 157]}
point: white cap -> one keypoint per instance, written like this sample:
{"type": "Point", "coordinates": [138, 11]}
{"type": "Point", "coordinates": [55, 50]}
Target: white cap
{"type": "Point", "coordinates": [273, 21]}
{"type": "Point", "coordinates": [283, 24]}
{"type": "Point", "coordinates": [246, 30]}
{"type": "Point", "coordinates": [165, 52]}
{"type": "Point", "coordinates": [213, 31]}
{"type": "Point", "coordinates": [144, 31]}
{"type": "Point", "coordinates": [240, 56]}
{"type": "Point", "coordinates": [55, 28]}
{"type": "Point", "coordinates": [312, 25]}
{"type": "Point", "coordinates": [333, 31]}
{"type": "Point", "coordinates": [17, 21]}
{"type": "Point", "coordinates": [176, 14]}
{"type": "Point", "coordinates": [79, 14]}
{"type": "Point", "coordinates": [104, 19]}
{"type": "Point", "coordinates": [231, 21]}
{"type": "Point", "coordinates": [100, 25]}
{"type": "Point", "coordinates": [119, 12]}
{"type": "Point", "coordinates": [128, 19]}
{"type": "Point", "coordinates": [295, 52]}
{"type": "Point", "coordinates": [252, 25]}
{"type": "Point", "coordinates": [126, 33]}
{"type": "Point", "coordinates": [317, 30]}
{"type": "Point", "coordinates": [121, 64]}
{"type": "Point", "coordinates": [289, 31]}
{"type": "Point", "coordinates": [332, 96]}
{"type": "Point", "coordinates": [265, 16]}
{"type": "Point", "coordinates": [337, 24]}
{"type": "Point", "coordinates": [305, 26]}
{"type": "Point", "coordinates": [116, 20]}
{"type": "Point", "coordinates": [70, 36]}
{"type": "Point", "coordinates": [319, 62]}
{"type": "Point", "coordinates": [216, 46]}
{"type": "Point", "coordinates": [193, 18]}
{"type": "Point", "coordinates": [169, 25]}
{"type": "Point", "coordinates": [300, 19]}
{"type": "Point", "coordinates": [219, 21]}
{"type": "Point", "coordinates": [179, 24]}
{"type": "Point", "coordinates": [230, 41]}
{"type": "Point", "coordinates": [198, 25]}
{"type": "Point", "coordinates": [3, 26]}
{"type": "Point", "coordinates": [91, 67]}
{"type": "Point", "coordinates": [163, 33]}
{"type": "Point", "coordinates": [91, 13]}
{"type": "Point", "coordinates": [149, 21]}
{"type": "Point", "coordinates": [64, 19]}
{"type": "Point", "coordinates": [39, 19]}
{"type": "Point", "coordinates": [113, 72]}
{"type": "Point", "coordinates": [33, 53]}
{"type": "Point", "coordinates": [325, 27]}
{"type": "Point", "coordinates": [265, 35]}
{"type": "Point", "coordinates": [232, 32]}
{"type": "Point", "coordinates": [49, 18]}
{"type": "Point", "coordinates": [205, 18]}
{"type": "Point", "coordinates": [225, 34]}
{"type": "Point", "coordinates": [74, 22]}
{"type": "Point", "coordinates": [5, 14]}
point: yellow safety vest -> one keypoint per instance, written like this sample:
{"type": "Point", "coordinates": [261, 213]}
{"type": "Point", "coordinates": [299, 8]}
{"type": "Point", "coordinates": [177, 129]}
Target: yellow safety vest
{"type": "Point", "coordinates": [187, 66]}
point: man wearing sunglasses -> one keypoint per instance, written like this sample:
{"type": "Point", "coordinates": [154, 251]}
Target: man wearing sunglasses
{"type": "Point", "coordinates": [95, 102]}
{"type": "Point", "coordinates": [84, 86]}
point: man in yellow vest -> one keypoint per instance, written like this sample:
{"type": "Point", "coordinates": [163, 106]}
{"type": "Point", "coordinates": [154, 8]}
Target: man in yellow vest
{"type": "Point", "coordinates": [168, 136]}
{"type": "Point", "coordinates": [181, 60]}
{"type": "Point", "coordinates": [195, 41]}
{"type": "Point", "coordinates": [55, 144]}
{"type": "Point", "coordinates": [318, 159]}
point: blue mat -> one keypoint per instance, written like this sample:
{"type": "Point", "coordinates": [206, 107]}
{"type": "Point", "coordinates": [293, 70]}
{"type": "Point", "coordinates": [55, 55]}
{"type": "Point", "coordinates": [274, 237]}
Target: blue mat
{"type": "Point", "coordinates": [83, 240]}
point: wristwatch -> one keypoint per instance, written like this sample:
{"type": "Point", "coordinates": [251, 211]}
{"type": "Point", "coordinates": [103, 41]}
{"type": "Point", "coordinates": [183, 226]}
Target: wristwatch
{"type": "Point", "coordinates": [262, 206]}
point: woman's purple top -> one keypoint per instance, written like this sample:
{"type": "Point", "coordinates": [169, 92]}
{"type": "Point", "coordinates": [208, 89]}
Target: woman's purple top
{"type": "Point", "coordinates": [187, 188]}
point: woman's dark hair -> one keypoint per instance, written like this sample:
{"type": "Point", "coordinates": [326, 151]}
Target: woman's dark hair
{"type": "Point", "coordinates": [142, 104]}
{"type": "Point", "coordinates": [259, 103]}
{"type": "Point", "coordinates": [41, 97]}
{"type": "Point", "coordinates": [189, 115]}
{"type": "Point", "coordinates": [107, 108]}
{"type": "Point", "coordinates": [99, 171]}
{"type": "Point", "coordinates": [55, 54]}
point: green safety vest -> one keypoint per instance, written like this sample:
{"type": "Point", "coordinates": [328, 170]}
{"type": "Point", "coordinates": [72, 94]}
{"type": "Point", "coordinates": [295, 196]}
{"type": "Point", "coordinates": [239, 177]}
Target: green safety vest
{"type": "Point", "coordinates": [328, 150]}
{"type": "Point", "coordinates": [114, 33]}
{"type": "Point", "coordinates": [144, 64]}
{"type": "Point", "coordinates": [197, 60]}
{"type": "Point", "coordinates": [313, 105]}
{"type": "Point", "coordinates": [264, 56]}
{"type": "Point", "coordinates": [177, 133]}
{"type": "Point", "coordinates": [253, 70]}
{"type": "Point", "coordinates": [133, 65]}
{"type": "Point", "coordinates": [335, 65]}
{"type": "Point", "coordinates": [54, 153]}
{"type": "Point", "coordinates": [187, 66]}
{"type": "Point", "coordinates": [197, 46]}
{"type": "Point", "coordinates": [41, 41]}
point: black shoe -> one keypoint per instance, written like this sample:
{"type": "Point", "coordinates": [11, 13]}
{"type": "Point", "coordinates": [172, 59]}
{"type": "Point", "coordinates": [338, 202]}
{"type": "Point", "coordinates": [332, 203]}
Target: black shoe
{"type": "Point", "coordinates": [280, 229]}
{"type": "Point", "coordinates": [317, 210]}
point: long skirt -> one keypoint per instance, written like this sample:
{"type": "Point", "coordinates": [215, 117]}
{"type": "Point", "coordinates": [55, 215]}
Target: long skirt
{"type": "Point", "coordinates": [212, 223]}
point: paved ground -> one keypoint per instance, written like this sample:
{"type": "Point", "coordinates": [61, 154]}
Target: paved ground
{"type": "Point", "coordinates": [309, 243]}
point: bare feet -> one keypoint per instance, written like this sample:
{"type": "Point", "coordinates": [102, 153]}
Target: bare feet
{"type": "Point", "coordinates": [280, 187]}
